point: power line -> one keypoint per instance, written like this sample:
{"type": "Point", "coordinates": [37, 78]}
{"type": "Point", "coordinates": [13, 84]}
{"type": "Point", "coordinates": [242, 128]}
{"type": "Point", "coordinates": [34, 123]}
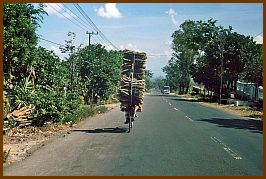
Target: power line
{"type": "Point", "coordinates": [85, 16]}
{"type": "Point", "coordinates": [82, 42]}
{"type": "Point", "coordinates": [93, 25]}
{"type": "Point", "coordinates": [50, 41]}
{"type": "Point", "coordinates": [67, 18]}
{"type": "Point", "coordinates": [76, 17]}
{"type": "Point", "coordinates": [89, 21]}
{"type": "Point", "coordinates": [258, 34]}
{"type": "Point", "coordinates": [99, 39]}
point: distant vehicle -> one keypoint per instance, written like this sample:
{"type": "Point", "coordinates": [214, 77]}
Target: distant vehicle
{"type": "Point", "coordinates": [166, 90]}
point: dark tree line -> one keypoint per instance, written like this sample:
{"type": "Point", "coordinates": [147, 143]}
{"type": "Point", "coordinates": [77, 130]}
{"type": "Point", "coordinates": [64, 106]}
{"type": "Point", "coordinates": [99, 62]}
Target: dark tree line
{"type": "Point", "coordinates": [206, 52]}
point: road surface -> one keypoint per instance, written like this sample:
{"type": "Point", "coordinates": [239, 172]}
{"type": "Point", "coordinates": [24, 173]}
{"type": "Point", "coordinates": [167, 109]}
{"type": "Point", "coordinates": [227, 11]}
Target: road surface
{"type": "Point", "coordinates": [170, 137]}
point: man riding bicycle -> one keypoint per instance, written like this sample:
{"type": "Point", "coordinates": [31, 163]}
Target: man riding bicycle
{"type": "Point", "coordinates": [132, 85]}
{"type": "Point", "coordinates": [135, 108]}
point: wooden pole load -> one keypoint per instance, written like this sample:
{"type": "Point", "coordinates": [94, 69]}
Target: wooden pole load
{"type": "Point", "coordinates": [133, 62]}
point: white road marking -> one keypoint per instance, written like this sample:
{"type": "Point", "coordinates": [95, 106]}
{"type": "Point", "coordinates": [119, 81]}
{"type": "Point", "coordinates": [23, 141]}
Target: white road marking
{"type": "Point", "coordinates": [176, 109]}
{"type": "Point", "coordinates": [189, 118]}
{"type": "Point", "coordinates": [170, 104]}
{"type": "Point", "coordinates": [227, 149]}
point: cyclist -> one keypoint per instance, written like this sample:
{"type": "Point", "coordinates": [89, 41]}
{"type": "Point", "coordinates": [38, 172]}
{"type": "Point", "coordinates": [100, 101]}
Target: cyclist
{"type": "Point", "coordinates": [136, 106]}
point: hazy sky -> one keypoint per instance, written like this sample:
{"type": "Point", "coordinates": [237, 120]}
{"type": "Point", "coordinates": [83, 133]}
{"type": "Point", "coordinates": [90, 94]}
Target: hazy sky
{"type": "Point", "coordinates": [143, 27]}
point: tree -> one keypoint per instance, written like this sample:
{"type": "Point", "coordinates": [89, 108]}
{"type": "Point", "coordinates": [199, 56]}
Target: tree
{"type": "Point", "coordinates": [213, 55]}
{"type": "Point", "coordinates": [183, 55]}
{"type": "Point", "coordinates": [159, 82]}
{"type": "Point", "coordinates": [71, 50]}
{"type": "Point", "coordinates": [253, 68]}
{"type": "Point", "coordinates": [188, 42]}
{"type": "Point", "coordinates": [48, 70]}
{"type": "Point", "coordinates": [173, 73]}
{"type": "Point", "coordinates": [238, 52]}
{"type": "Point", "coordinates": [20, 23]}
{"type": "Point", "coordinates": [99, 71]}
{"type": "Point", "coordinates": [148, 82]}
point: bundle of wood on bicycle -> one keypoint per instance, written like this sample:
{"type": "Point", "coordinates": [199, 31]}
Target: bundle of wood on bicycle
{"type": "Point", "coordinates": [132, 85]}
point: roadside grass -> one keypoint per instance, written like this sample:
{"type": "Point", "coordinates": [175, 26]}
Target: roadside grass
{"type": "Point", "coordinates": [84, 112]}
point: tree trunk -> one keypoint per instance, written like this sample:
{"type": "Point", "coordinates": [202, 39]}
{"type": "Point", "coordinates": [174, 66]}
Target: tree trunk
{"type": "Point", "coordinates": [92, 93]}
{"type": "Point", "coordinates": [235, 87]}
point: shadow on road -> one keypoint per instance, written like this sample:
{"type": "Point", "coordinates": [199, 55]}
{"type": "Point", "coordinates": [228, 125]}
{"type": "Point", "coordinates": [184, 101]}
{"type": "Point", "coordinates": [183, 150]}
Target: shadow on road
{"type": "Point", "coordinates": [255, 126]}
{"type": "Point", "coordinates": [103, 130]}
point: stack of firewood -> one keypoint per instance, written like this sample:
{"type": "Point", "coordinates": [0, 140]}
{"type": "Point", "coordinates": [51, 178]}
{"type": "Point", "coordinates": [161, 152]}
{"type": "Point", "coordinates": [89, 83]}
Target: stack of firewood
{"type": "Point", "coordinates": [22, 116]}
{"type": "Point", "coordinates": [133, 64]}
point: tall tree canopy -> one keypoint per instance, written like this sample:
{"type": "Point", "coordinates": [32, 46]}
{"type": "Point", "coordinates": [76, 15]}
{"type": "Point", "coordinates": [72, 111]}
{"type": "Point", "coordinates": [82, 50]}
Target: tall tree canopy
{"type": "Point", "coordinates": [99, 71]}
{"type": "Point", "coordinates": [20, 22]}
{"type": "Point", "coordinates": [206, 52]}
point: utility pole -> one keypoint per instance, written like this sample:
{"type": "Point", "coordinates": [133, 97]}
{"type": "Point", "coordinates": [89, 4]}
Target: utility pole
{"type": "Point", "coordinates": [89, 36]}
{"type": "Point", "coordinates": [71, 49]}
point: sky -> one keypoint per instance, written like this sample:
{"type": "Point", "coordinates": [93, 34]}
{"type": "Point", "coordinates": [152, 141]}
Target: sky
{"type": "Point", "coordinates": [143, 27]}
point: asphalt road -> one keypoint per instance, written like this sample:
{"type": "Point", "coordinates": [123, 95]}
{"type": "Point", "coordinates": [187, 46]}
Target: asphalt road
{"type": "Point", "coordinates": [170, 137]}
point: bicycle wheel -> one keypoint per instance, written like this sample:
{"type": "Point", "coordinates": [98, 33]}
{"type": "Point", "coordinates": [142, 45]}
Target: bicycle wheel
{"type": "Point", "coordinates": [130, 124]}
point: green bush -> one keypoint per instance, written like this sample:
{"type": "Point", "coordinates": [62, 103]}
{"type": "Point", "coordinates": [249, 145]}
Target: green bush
{"type": "Point", "coordinates": [54, 106]}
{"type": "Point", "coordinates": [83, 113]}
{"type": "Point", "coordinates": [50, 104]}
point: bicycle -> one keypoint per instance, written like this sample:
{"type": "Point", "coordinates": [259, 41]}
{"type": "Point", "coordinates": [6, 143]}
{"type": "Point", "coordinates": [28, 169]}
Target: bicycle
{"type": "Point", "coordinates": [130, 108]}
{"type": "Point", "coordinates": [132, 85]}
{"type": "Point", "coordinates": [130, 117]}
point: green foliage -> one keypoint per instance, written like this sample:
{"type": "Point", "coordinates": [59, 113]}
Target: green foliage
{"type": "Point", "coordinates": [48, 71]}
{"type": "Point", "coordinates": [159, 82]}
{"type": "Point", "coordinates": [36, 76]}
{"type": "Point", "coordinates": [84, 112]}
{"type": "Point", "coordinates": [185, 49]}
{"type": "Point", "coordinates": [98, 72]}
{"type": "Point", "coordinates": [45, 89]}
{"type": "Point", "coordinates": [148, 82]}
{"type": "Point", "coordinates": [23, 93]}
{"type": "Point", "coordinates": [205, 51]}
{"type": "Point", "coordinates": [54, 105]}
{"type": "Point", "coordinates": [20, 23]}
{"type": "Point", "coordinates": [172, 74]}
{"type": "Point", "coordinates": [253, 68]}
{"type": "Point", "coordinates": [6, 105]}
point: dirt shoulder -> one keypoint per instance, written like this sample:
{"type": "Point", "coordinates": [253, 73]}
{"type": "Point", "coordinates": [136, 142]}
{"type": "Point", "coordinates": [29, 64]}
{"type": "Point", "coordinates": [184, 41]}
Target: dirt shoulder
{"type": "Point", "coordinates": [243, 111]}
{"type": "Point", "coordinates": [20, 143]}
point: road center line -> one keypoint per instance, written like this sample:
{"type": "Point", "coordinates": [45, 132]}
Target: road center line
{"type": "Point", "coordinates": [189, 118]}
{"type": "Point", "coordinates": [227, 149]}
